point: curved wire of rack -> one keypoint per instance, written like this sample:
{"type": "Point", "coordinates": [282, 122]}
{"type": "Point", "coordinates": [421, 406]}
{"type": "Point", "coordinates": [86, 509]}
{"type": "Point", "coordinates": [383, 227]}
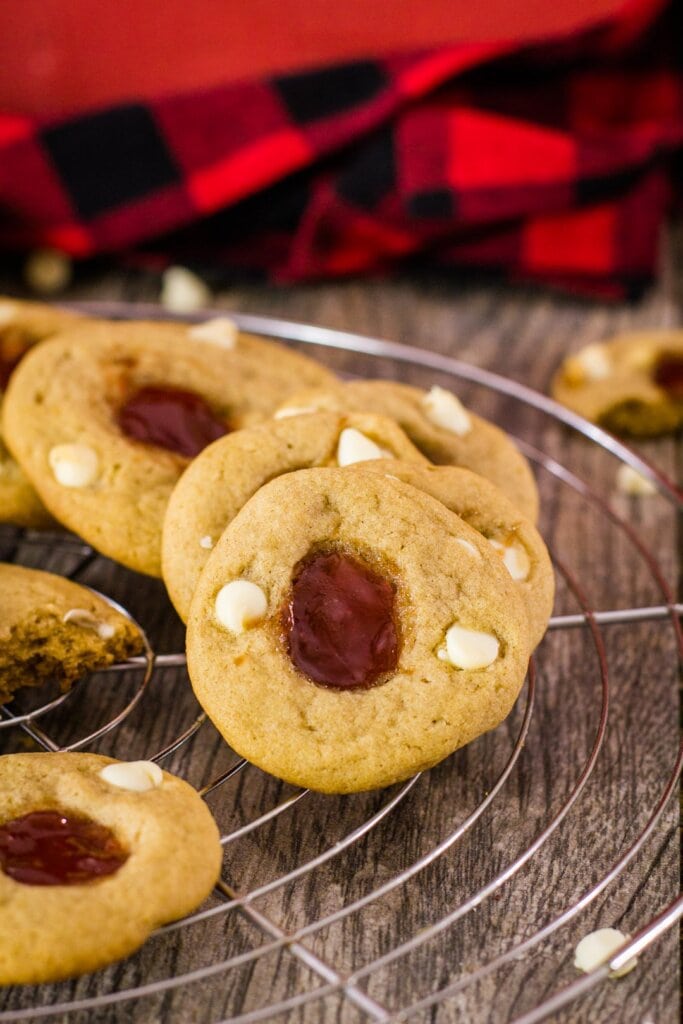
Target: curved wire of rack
{"type": "Point", "coordinates": [331, 980]}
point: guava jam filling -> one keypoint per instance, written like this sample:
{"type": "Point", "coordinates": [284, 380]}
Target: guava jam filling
{"type": "Point", "coordinates": [668, 375]}
{"type": "Point", "coordinates": [179, 421]}
{"type": "Point", "coordinates": [52, 848]}
{"type": "Point", "coordinates": [340, 626]}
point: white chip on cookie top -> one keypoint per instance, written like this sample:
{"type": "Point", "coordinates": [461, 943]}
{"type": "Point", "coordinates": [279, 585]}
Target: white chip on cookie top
{"type": "Point", "coordinates": [74, 465]}
{"type": "Point", "coordinates": [240, 604]}
{"type": "Point", "coordinates": [221, 331]}
{"type": "Point", "coordinates": [469, 648]}
{"type": "Point", "coordinates": [135, 776]}
{"type": "Point", "coordinates": [594, 361]}
{"type": "Point", "coordinates": [598, 947]}
{"type": "Point", "coordinates": [293, 410]}
{"type": "Point", "coordinates": [444, 410]}
{"type": "Point", "coordinates": [515, 558]}
{"type": "Point", "coordinates": [467, 546]}
{"type": "Point", "coordinates": [355, 446]}
{"type": "Point", "coordinates": [86, 620]}
{"type": "Point", "coordinates": [206, 542]}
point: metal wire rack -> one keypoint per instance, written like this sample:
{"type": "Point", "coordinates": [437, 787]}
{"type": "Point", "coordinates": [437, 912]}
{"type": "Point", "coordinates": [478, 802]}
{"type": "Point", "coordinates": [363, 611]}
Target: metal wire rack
{"type": "Point", "coordinates": [199, 952]}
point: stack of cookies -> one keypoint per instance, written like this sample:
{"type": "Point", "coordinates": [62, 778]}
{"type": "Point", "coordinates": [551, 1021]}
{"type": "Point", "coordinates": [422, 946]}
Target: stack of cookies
{"type": "Point", "coordinates": [357, 562]}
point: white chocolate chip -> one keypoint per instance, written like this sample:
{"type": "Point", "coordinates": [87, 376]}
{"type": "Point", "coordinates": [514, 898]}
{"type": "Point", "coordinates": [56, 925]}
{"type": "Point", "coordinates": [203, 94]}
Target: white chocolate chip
{"type": "Point", "coordinates": [182, 291]}
{"type": "Point", "coordinates": [8, 311]}
{"type": "Point", "coordinates": [74, 465]}
{"type": "Point", "coordinates": [595, 362]}
{"type": "Point", "coordinates": [206, 542]}
{"type": "Point", "coordinates": [86, 620]}
{"type": "Point", "coordinates": [48, 271]}
{"type": "Point", "coordinates": [630, 481]}
{"type": "Point", "coordinates": [467, 546]}
{"type": "Point", "coordinates": [222, 332]}
{"type": "Point", "coordinates": [356, 447]}
{"type": "Point", "coordinates": [240, 604]}
{"type": "Point", "coordinates": [598, 947]}
{"type": "Point", "coordinates": [469, 648]}
{"type": "Point", "coordinates": [135, 776]}
{"type": "Point", "coordinates": [293, 410]}
{"type": "Point", "coordinates": [446, 411]}
{"type": "Point", "coordinates": [515, 558]}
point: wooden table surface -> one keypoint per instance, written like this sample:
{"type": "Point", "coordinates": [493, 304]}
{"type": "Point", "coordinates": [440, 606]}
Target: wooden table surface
{"type": "Point", "coordinates": [521, 334]}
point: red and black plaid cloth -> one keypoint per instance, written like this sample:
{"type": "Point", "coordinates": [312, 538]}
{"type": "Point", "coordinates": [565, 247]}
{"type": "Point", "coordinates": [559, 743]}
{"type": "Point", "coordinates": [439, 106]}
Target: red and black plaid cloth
{"type": "Point", "coordinates": [555, 162]}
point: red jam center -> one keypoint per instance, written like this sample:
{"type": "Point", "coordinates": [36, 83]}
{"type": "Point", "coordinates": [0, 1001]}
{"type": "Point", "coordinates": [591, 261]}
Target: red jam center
{"type": "Point", "coordinates": [668, 375]}
{"type": "Point", "coordinates": [51, 848]}
{"type": "Point", "coordinates": [180, 421]}
{"type": "Point", "coordinates": [339, 622]}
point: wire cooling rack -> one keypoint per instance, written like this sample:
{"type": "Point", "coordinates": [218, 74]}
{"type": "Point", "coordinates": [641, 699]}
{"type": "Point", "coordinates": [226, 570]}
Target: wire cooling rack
{"type": "Point", "coordinates": [280, 907]}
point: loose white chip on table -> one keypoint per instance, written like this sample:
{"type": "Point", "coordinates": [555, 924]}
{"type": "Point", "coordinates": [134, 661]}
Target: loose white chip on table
{"type": "Point", "coordinates": [182, 291]}
{"type": "Point", "coordinates": [598, 947]}
{"type": "Point", "coordinates": [630, 481]}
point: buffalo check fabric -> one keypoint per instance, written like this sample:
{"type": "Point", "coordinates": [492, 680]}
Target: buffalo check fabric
{"type": "Point", "coordinates": [557, 162]}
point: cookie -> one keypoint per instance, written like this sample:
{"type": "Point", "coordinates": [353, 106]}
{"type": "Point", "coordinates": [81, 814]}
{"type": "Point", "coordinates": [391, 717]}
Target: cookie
{"type": "Point", "coordinates": [53, 630]}
{"type": "Point", "coordinates": [344, 634]}
{"type": "Point", "coordinates": [631, 385]}
{"type": "Point", "coordinates": [105, 417]}
{"type": "Point", "coordinates": [439, 425]}
{"type": "Point", "coordinates": [486, 509]}
{"type": "Point", "coordinates": [216, 485]}
{"type": "Point", "coordinates": [22, 325]}
{"type": "Point", "coordinates": [94, 855]}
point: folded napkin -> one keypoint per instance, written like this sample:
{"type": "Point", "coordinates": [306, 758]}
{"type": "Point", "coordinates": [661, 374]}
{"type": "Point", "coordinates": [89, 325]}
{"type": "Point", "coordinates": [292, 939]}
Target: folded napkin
{"type": "Point", "coordinates": [551, 161]}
